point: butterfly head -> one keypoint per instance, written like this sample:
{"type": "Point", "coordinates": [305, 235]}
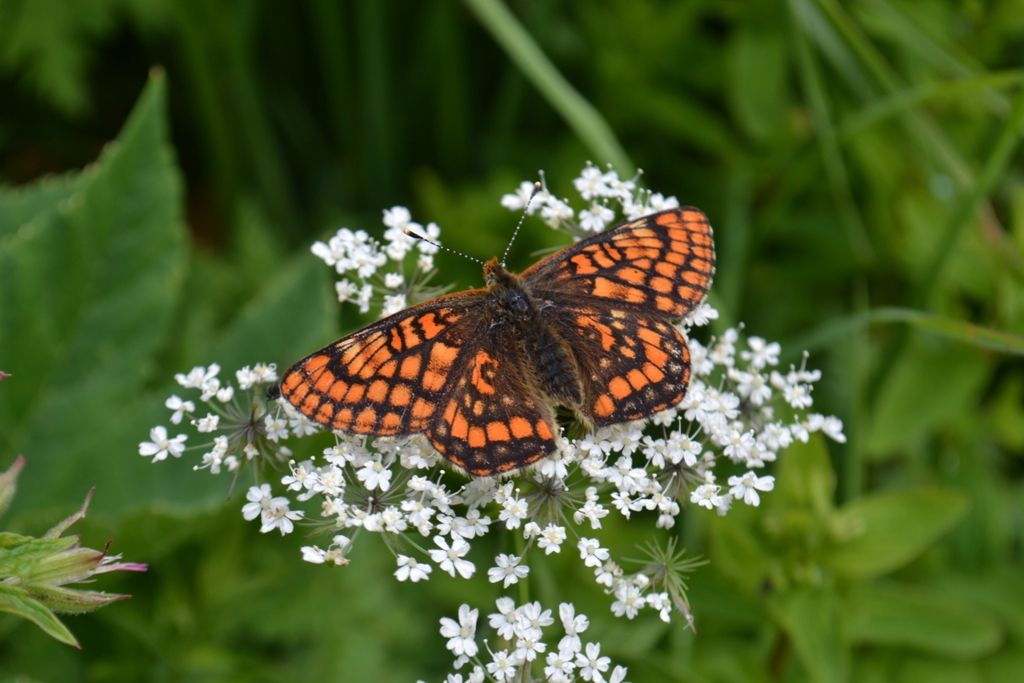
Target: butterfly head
{"type": "Point", "coordinates": [506, 289]}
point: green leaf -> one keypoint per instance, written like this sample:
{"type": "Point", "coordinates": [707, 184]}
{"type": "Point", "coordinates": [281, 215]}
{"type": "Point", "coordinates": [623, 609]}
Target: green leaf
{"type": "Point", "coordinates": [805, 477]}
{"type": "Point", "coordinates": [14, 601]}
{"type": "Point", "coordinates": [932, 386]}
{"type": "Point", "coordinates": [810, 618]}
{"type": "Point", "coordinates": [737, 553]}
{"type": "Point", "coordinates": [292, 315]}
{"type": "Point", "coordinates": [22, 205]}
{"type": "Point", "coordinates": [880, 533]}
{"type": "Point", "coordinates": [935, 622]}
{"type": "Point", "coordinates": [89, 290]}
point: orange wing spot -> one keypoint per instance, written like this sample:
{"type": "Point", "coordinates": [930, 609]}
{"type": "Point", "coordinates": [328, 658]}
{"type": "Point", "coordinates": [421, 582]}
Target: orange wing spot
{"type": "Point", "coordinates": [325, 414]}
{"type": "Point", "coordinates": [602, 258]}
{"type": "Point", "coordinates": [607, 340]}
{"type": "Point", "coordinates": [701, 264]}
{"type": "Point", "coordinates": [310, 404]}
{"type": "Point", "coordinates": [290, 382]}
{"type": "Point", "coordinates": [661, 284]}
{"type": "Point", "coordinates": [666, 269]}
{"type": "Point", "coordinates": [669, 218]}
{"type": "Point", "coordinates": [679, 247]}
{"type": "Point", "coordinates": [325, 381]}
{"type": "Point", "coordinates": [665, 304]}
{"type": "Point", "coordinates": [676, 258]}
{"type": "Point", "coordinates": [388, 369]}
{"type": "Point", "coordinates": [410, 368]}
{"type": "Point", "coordinates": [656, 355]}
{"type": "Point", "coordinates": [442, 356]}
{"type": "Point", "coordinates": [433, 381]}
{"type": "Point", "coordinates": [337, 390]}
{"type": "Point", "coordinates": [391, 423]}
{"type": "Point", "coordinates": [502, 467]}
{"type": "Point", "coordinates": [695, 278]}
{"type": "Point", "coordinates": [400, 396]}
{"type": "Point", "coordinates": [460, 428]}
{"type": "Point", "coordinates": [396, 338]}
{"type": "Point", "coordinates": [627, 352]}
{"type": "Point", "coordinates": [431, 326]}
{"type": "Point", "coordinates": [409, 334]}
{"type": "Point", "coordinates": [315, 363]}
{"type": "Point", "coordinates": [355, 393]}
{"type": "Point", "coordinates": [478, 408]}
{"type": "Point", "coordinates": [449, 411]}
{"type": "Point", "coordinates": [300, 393]}
{"type": "Point", "coordinates": [520, 427]}
{"type": "Point", "coordinates": [603, 406]}
{"type": "Point", "coordinates": [365, 420]}
{"type": "Point", "coordinates": [605, 288]}
{"type": "Point", "coordinates": [634, 254]}
{"type": "Point", "coordinates": [619, 387]}
{"type": "Point", "coordinates": [477, 379]}
{"type": "Point", "coordinates": [477, 438]}
{"type": "Point", "coordinates": [543, 431]}
{"type": "Point", "coordinates": [648, 335]}
{"type": "Point", "coordinates": [421, 409]}
{"type": "Point", "coordinates": [692, 216]}
{"type": "Point", "coordinates": [653, 373]}
{"type": "Point", "coordinates": [688, 293]}
{"type": "Point", "coordinates": [374, 362]}
{"type": "Point", "coordinates": [498, 431]}
{"type": "Point", "coordinates": [637, 380]}
{"type": "Point", "coordinates": [378, 391]}
{"type": "Point", "coordinates": [633, 276]}
{"type": "Point", "coordinates": [343, 420]}
{"type": "Point", "coordinates": [584, 266]}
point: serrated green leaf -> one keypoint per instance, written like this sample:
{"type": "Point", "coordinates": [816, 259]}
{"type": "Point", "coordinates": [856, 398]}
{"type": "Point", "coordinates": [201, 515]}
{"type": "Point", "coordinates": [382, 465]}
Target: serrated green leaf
{"type": "Point", "coordinates": [811, 619]}
{"type": "Point", "coordinates": [20, 205]}
{"type": "Point", "coordinates": [927, 620]}
{"type": "Point", "coordinates": [290, 317]}
{"type": "Point", "coordinates": [88, 292]}
{"type": "Point", "coordinates": [880, 533]}
{"type": "Point", "coordinates": [15, 601]}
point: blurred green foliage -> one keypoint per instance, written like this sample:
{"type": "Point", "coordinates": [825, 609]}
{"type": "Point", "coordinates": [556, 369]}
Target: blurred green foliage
{"type": "Point", "coordinates": [861, 164]}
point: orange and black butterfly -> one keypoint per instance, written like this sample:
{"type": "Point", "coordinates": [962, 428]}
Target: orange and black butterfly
{"type": "Point", "coordinates": [589, 328]}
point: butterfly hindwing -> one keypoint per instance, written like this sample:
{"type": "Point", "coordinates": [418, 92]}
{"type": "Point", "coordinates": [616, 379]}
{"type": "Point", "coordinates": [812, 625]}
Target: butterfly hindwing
{"type": "Point", "coordinates": [632, 365]}
{"type": "Point", "coordinates": [389, 378]}
{"type": "Point", "coordinates": [660, 263]}
{"type": "Point", "coordinates": [494, 419]}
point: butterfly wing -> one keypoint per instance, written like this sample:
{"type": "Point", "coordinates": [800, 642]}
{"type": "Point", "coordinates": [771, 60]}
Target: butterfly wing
{"type": "Point", "coordinates": [631, 364]}
{"type": "Point", "coordinates": [494, 419]}
{"type": "Point", "coordinates": [660, 263]}
{"type": "Point", "coordinates": [613, 298]}
{"type": "Point", "coordinates": [390, 377]}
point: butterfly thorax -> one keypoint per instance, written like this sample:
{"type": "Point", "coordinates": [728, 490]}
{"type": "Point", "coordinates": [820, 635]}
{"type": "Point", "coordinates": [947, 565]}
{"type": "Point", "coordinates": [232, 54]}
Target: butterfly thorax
{"type": "Point", "coordinates": [519, 316]}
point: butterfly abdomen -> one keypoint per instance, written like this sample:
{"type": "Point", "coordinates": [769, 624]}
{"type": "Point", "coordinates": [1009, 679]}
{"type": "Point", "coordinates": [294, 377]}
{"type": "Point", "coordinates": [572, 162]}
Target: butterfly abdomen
{"type": "Point", "coordinates": [552, 362]}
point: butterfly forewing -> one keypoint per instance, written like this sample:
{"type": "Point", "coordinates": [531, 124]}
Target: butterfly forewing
{"type": "Point", "coordinates": [389, 378]}
{"type": "Point", "coordinates": [659, 263]}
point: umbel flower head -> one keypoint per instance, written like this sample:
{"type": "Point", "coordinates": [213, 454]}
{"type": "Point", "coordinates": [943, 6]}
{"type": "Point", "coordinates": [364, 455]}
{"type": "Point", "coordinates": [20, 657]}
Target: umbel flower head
{"type": "Point", "coordinates": [711, 452]}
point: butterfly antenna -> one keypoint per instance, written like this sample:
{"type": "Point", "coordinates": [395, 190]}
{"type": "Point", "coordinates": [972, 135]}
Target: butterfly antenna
{"type": "Point", "coordinates": [416, 235]}
{"type": "Point", "coordinates": [537, 187]}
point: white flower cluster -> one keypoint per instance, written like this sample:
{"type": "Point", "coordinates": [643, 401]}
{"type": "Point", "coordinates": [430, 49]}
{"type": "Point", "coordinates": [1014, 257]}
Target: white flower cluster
{"type": "Point", "coordinates": [601, 190]}
{"type": "Point", "coordinates": [741, 411]}
{"type": "Point", "coordinates": [365, 262]}
{"type": "Point", "coordinates": [520, 632]}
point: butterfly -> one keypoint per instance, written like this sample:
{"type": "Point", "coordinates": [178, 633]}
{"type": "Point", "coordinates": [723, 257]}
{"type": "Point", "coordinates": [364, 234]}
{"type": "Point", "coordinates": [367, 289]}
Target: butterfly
{"type": "Point", "coordinates": [479, 372]}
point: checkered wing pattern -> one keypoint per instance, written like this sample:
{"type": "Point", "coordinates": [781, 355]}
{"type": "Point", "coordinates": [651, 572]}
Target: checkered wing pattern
{"type": "Point", "coordinates": [662, 263]}
{"type": "Point", "coordinates": [391, 377]}
{"type": "Point", "coordinates": [631, 365]}
{"type": "Point", "coordinates": [494, 419]}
